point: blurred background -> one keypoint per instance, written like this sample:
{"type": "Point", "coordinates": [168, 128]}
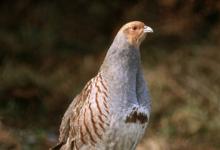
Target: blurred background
{"type": "Point", "coordinates": [50, 49]}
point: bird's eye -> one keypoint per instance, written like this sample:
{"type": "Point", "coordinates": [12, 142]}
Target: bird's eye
{"type": "Point", "coordinates": [134, 28]}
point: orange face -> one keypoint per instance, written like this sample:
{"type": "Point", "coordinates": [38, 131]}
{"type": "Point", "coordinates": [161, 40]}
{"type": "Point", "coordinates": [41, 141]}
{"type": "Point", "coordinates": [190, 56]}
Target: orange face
{"type": "Point", "coordinates": [135, 32]}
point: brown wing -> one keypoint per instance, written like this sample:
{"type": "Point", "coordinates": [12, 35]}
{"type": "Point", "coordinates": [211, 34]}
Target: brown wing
{"type": "Point", "coordinates": [65, 124]}
{"type": "Point", "coordinates": [87, 116]}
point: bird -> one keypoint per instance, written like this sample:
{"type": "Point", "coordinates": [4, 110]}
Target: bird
{"type": "Point", "coordinates": [113, 109]}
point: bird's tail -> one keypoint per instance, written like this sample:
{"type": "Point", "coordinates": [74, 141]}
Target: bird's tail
{"type": "Point", "coordinates": [57, 147]}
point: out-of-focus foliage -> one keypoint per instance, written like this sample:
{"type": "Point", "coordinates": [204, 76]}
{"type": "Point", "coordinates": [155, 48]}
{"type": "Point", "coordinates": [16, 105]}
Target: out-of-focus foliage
{"type": "Point", "coordinates": [49, 49]}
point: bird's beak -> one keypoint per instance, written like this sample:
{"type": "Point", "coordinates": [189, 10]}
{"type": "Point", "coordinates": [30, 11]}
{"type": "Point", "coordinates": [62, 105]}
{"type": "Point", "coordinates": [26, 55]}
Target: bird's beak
{"type": "Point", "coordinates": [148, 29]}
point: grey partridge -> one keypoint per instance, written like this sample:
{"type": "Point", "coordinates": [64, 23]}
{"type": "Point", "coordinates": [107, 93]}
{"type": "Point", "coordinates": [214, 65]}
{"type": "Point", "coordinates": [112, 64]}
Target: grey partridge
{"type": "Point", "coordinates": [113, 109]}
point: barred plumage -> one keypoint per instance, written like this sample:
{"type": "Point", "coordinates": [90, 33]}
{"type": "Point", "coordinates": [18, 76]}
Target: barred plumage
{"type": "Point", "coordinates": [88, 115]}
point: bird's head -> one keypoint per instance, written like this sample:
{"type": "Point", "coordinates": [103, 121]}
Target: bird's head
{"type": "Point", "coordinates": [135, 32]}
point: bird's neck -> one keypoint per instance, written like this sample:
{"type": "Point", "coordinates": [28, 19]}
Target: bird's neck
{"type": "Point", "coordinates": [122, 60]}
{"type": "Point", "coordinates": [121, 63]}
{"type": "Point", "coordinates": [120, 67]}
